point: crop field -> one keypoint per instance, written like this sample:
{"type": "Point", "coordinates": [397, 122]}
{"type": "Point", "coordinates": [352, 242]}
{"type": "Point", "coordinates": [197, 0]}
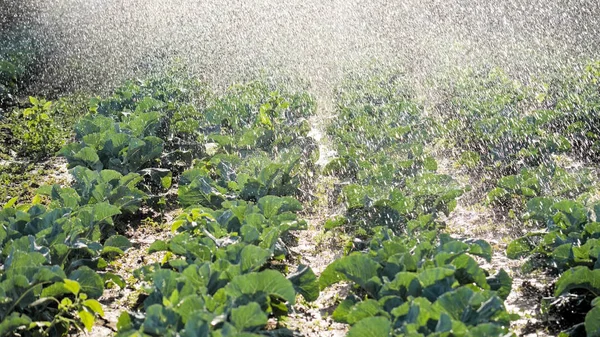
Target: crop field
{"type": "Point", "coordinates": [461, 204]}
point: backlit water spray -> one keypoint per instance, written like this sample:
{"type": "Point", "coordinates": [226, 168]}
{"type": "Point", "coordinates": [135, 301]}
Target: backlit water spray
{"type": "Point", "coordinates": [95, 44]}
{"type": "Point", "coordinates": [98, 43]}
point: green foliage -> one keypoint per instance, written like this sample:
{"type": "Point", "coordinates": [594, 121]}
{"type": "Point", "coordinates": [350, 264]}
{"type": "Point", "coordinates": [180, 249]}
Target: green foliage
{"type": "Point", "coordinates": [241, 159]}
{"type": "Point", "coordinates": [571, 238]}
{"type": "Point", "coordinates": [206, 298]}
{"type": "Point", "coordinates": [34, 130]}
{"type": "Point", "coordinates": [580, 284]}
{"type": "Point", "coordinates": [124, 147]}
{"type": "Point", "coordinates": [507, 125]}
{"type": "Point", "coordinates": [48, 254]}
{"type": "Point", "coordinates": [570, 246]}
{"type": "Point", "coordinates": [237, 221]}
{"type": "Point", "coordinates": [578, 102]}
{"type": "Point", "coordinates": [213, 279]}
{"type": "Point", "coordinates": [92, 187]}
{"type": "Point", "coordinates": [250, 147]}
{"type": "Point", "coordinates": [414, 285]}
{"type": "Point", "coordinates": [483, 116]}
{"type": "Point", "coordinates": [21, 180]}
{"type": "Point", "coordinates": [18, 56]}
{"type": "Point", "coordinates": [404, 281]}
{"type": "Point", "coordinates": [223, 178]}
{"type": "Point", "coordinates": [381, 136]}
{"type": "Point", "coordinates": [551, 181]}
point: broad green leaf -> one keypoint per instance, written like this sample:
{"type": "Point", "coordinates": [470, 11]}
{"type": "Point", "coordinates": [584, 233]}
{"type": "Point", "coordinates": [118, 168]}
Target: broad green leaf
{"type": "Point", "coordinates": [159, 320]}
{"type": "Point", "coordinates": [148, 103]}
{"type": "Point", "coordinates": [143, 124]}
{"type": "Point", "coordinates": [189, 304]}
{"type": "Point", "coordinates": [457, 304]}
{"type": "Point", "coordinates": [19, 263]}
{"type": "Point", "coordinates": [263, 117]}
{"type": "Point", "coordinates": [341, 312]}
{"type": "Point", "coordinates": [249, 234]}
{"type": "Point", "coordinates": [118, 241]}
{"type": "Point", "coordinates": [94, 306]}
{"type": "Point", "coordinates": [501, 283]}
{"type": "Point", "coordinates": [201, 191]}
{"type": "Point", "coordinates": [497, 195]}
{"type": "Point", "coordinates": [268, 282]}
{"type": "Point", "coordinates": [405, 284]}
{"type": "Point", "coordinates": [102, 212]}
{"type": "Point", "coordinates": [91, 283]}
{"type": "Point", "coordinates": [488, 309]}
{"type": "Point", "coordinates": [72, 286]}
{"type": "Point", "coordinates": [363, 309]}
{"type": "Point", "coordinates": [430, 164]}
{"type": "Point", "coordinates": [166, 181]}
{"type": "Point", "coordinates": [93, 124]}
{"type": "Point", "coordinates": [158, 177]}
{"type": "Point", "coordinates": [49, 274]}
{"type": "Point", "coordinates": [528, 192]}
{"type": "Point", "coordinates": [371, 327]}
{"type": "Point", "coordinates": [480, 248]}
{"type": "Point", "coordinates": [356, 267]}
{"type": "Point", "coordinates": [124, 322]}
{"type": "Point", "coordinates": [571, 212]}
{"type": "Point", "coordinates": [540, 209]}
{"type": "Point", "coordinates": [519, 248]}
{"type": "Point", "coordinates": [453, 246]}
{"type": "Point", "coordinates": [55, 290]}
{"type": "Point", "coordinates": [468, 271]}
{"type": "Point", "coordinates": [252, 258]}
{"type": "Point", "coordinates": [141, 153]}
{"type": "Point", "coordinates": [354, 195]}
{"type": "Point", "coordinates": [165, 281]}
{"type": "Point", "coordinates": [11, 202]}
{"type": "Point", "coordinates": [114, 278]}
{"type": "Point", "coordinates": [436, 281]}
{"type": "Point", "coordinates": [158, 246]}
{"type": "Point", "coordinates": [114, 144]}
{"type": "Point", "coordinates": [111, 251]}
{"type": "Point", "coordinates": [10, 324]}
{"type": "Point", "coordinates": [89, 158]}
{"type": "Point", "coordinates": [592, 228]}
{"type": "Point", "coordinates": [335, 222]}
{"type": "Point", "coordinates": [87, 319]}
{"type": "Point", "coordinates": [592, 322]}
{"type": "Point", "coordinates": [196, 326]}
{"type": "Point", "coordinates": [509, 182]}
{"type": "Point", "coordinates": [578, 278]}
{"type": "Point", "coordinates": [433, 275]}
{"type": "Point", "coordinates": [67, 197]}
{"type": "Point", "coordinates": [249, 317]}
{"type": "Point", "coordinates": [270, 205]}
{"type": "Point", "coordinates": [305, 282]}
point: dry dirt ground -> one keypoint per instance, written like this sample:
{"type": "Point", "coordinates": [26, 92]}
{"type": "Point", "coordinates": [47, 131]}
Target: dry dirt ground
{"type": "Point", "coordinates": [315, 247]}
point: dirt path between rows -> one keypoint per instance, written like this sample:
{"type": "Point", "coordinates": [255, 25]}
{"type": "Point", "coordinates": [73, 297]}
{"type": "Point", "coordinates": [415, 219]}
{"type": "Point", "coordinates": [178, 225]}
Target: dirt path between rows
{"type": "Point", "coordinates": [473, 219]}
{"type": "Point", "coordinates": [315, 247]}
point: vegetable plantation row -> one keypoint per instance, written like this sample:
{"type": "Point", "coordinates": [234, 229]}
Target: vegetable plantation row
{"type": "Point", "coordinates": [127, 152]}
{"type": "Point", "coordinates": [242, 163]}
